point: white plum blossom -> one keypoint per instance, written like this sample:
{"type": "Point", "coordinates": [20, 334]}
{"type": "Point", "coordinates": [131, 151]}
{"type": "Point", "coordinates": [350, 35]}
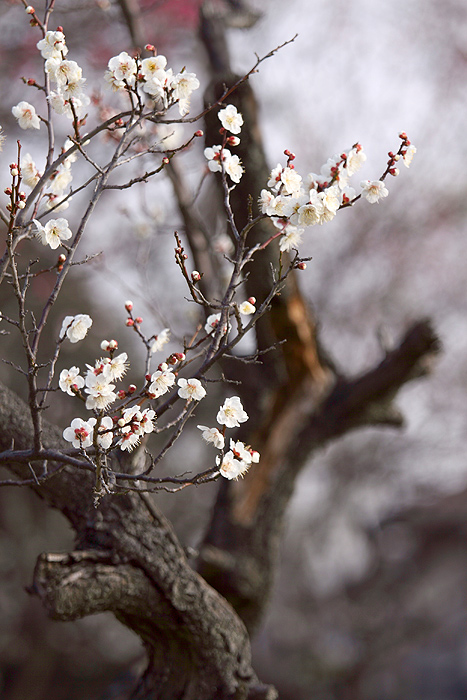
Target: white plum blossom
{"type": "Point", "coordinates": [183, 84]}
{"type": "Point", "coordinates": [355, 159]}
{"type": "Point", "coordinates": [230, 467]}
{"type": "Point", "coordinates": [161, 381]}
{"type": "Point", "coordinates": [373, 190]}
{"type": "Point", "coordinates": [61, 180]}
{"type": "Point", "coordinates": [64, 72]}
{"type": "Point", "coordinates": [79, 433]}
{"type": "Point", "coordinates": [191, 389]}
{"type": "Point", "coordinates": [100, 390]}
{"type": "Point", "coordinates": [231, 413]}
{"type": "Point", "coordinates": [160, 340]}
{"type": "Point", "coordinates": [291, 181]}
{"type": "Point", "coordinates": [115, 367]}
{"type": "Point", "coordinates": [310, 213]}
{"type": "Point", "coordinates": [53, 45]}
{"type": "Point", "coordinates": [291, 239]}
{"type": "Point", "coordinates": [408, 155]}
{"type": "Point", "coordinates": [53, 233]}
{"type": "Point", "coordinates": [104, 434]}
{"type": "Point", "coordinates": [75, 327]}
{"type": "Point", "coordinates": [246, 308]}
{"type": "Point", "coordinates": [129, 439]}
{"type": "Point", "coordinates": [26, 115]}
{"type": "Point", "coordinates": [29, 171]}
{"type": "Point", "coordinates": [275, 177]}
{"type": "Point", "coordinates": [122, 69]}
{"type": "Point", "coordinates": [230, 119]}
{"type": "Point", "coordinates": [240, 451]}
{"type": "Point", "coordinates": [234, 169]}
{"type": "Point", "coordinates": [331, 203]}
{"type": "Point", "coordinates": [153, 67]}
{"type": "Point", "coordinates": [212, 435]}
{"type": "Point", "coordinates": [70, 378]}
{"type": "Point", "coordinates": [212, 322]}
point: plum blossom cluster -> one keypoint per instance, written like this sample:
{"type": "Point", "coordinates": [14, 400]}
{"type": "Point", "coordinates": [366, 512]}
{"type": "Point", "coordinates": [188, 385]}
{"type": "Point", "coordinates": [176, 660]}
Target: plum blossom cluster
{"type": "Point", "coordinates": [294, 202]}
{"type": "Point", "coordinates": [238, 459]}
{"type": "Point", "coordinates": [220, 159]}
{"type": "Point", "coordinates": [58, 184]}
{"type": "Point", "coordinates": [68, 97]}
{"type": "Point", "coordinates": [156, 81]}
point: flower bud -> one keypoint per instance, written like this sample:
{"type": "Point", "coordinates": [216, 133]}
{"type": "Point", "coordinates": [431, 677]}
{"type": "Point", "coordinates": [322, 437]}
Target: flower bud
{"type": "Point", "coordinates": [129, 322]}
{"type": "Point", "coordinates": [138, 320]}
{"type": "Point", "coordinates": [30, 10]}
{"type": "Point", "coordinates": [180, 356]}
{"type": "Point", "coordinates": [104, 345]}
{"type": "Point", "coordinates": [31, 81]}
{"type": "Point", "coordinates": [132, 388]}
{"type": "Point", "coordinates": [163, 367]}
{"type": "Point", "coordinates": [394, 172]}
{"type": "Point", "coordinates": [403, 135]}
{"type": "Point", "coordinates": [121, 422]}
{"type": "Point", "coordinates": [150, 47]}
{"type": "Point", "coordinates": [166, 160]}
{"type": "Point", "coordinates": [8, 191]}
{"type": "Point", "coordinates": [61, 259]}
{"type": "Point", "coordinates": [113, 345]}
{"type": "Point", "coordinates": [195, 276]}
{"type": "Point", "coordinates": [252, 300]}
{"type": "Point", "coordinates": [128, 305]}
{"type": "Point", "coordinates": [21, 204]}
{"type": "Point", "coordinates": [147, 377]}
{"type": "Point", "coordinates": [199, 133]}
{"type": "Point", "coordinates": [172, 360]}
{"type": "Point", "coordinates": [121, 394]}
{"type": "Point", "coordinates": [233, 141]}
{"type": "Point", "coordinates": [301, 266]}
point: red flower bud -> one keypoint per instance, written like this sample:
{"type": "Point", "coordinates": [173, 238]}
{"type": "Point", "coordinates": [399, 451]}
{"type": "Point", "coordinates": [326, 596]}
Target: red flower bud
{"type": "Point", "coordinates": [138, 319]}
{"type": "Point", "coordinates": [199, 133]}
{"type": "Point", "coordinates": [130, 322]}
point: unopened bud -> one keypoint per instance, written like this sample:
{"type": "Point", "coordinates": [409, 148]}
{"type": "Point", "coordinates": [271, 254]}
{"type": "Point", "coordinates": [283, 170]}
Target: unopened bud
{"type": "Point", "coordinates": [166, 160]}
{"type": "Point", "coordinates": [252, 300]}
{"type": "Point", "coordinates": [30, 10]}
{"type": "Point", "coordinates": [172, 360]}
{"type": "Point", "coordinates": [163, 367]}
{"type": "Point", "coordinates": [403, 135]}
{"type": "Point", "coordinates": [129, 322]}
{"type": "Point", "coordinates": [138, 319]}
{"type": "Point", "coordinates": [31, 81]}
{"type": "Point", "coordinates": [8, 206]}
{"type": "Point", "coordinates": [121, 422]}
{"type": "Point", "coordinates": [301, 266]}
{"type": "Point", "coordinates": [8, 191]}
{"type": "Point", "coordinates": [233, 141]}
{"type": "Point", "coordinates": [195, 276]}
{"type": "Point", "coordinates": [150, 47]}
{"type": "Point", "coordinates": [121, 394]}
{"type": "Point", "coordinates": [128, 305]}
{"type": "Point", "coordinates": [394, 172]}
{"type": "Point", "coordinates": [21, 205]}
{"type": "Point", "coordinates": [199, 133]}
{"type": "Point", "coordinates": [105, 345]}
{"type": "Point", "coordinates": [61, 259]}
{"type": "Point", "coordinates": [147, 377]}
{"type": "Point", "coordinates": [60, 28]}
{"type": "Point", "coordinates": [132, 388]}
{"type": "Point", "coordinates": [113, 345]}
{"type": "Point", "coordinates": [180, 356]}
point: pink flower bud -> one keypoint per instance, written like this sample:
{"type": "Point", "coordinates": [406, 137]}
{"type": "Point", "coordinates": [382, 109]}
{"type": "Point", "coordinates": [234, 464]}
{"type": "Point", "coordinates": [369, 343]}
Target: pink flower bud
{"type": "Point", "coordinates": [301, 266]}
{"type": "Point", "coordinates": [195, 276]}
{"type": "Point", "coordinates": [403, 135]}
{"type": "Point", "coordinates": [30, 10]}
{"type": "Point", "coordinates": [132, 388]}
{"type": "Point", "coordinates": [60, 28]}
{"type": "Point", "coordinates": [180, 356]}
{"type": "Point", "coordinates": [172, 360]}
{"type": "Point", "coordinates": [31, 81]}
{"type": "Point", "coordinates": [8, 191]}
{"type": "Point", "coordinates": [130, 322]}
{"type": "Point", "coordinates": [128, 305]}
{"type": "Point", "coordinates": [150, 47]}
{"type": "Point", "coordinates": [199, 133]}
{"type": "Point", "coordinates": [166, 160]}
{"type": "Point", "coordinates": [138, 320]}
{"type": "Point", "coordinates": [252, 300]}
{"type": "Point", "coordinates": [61, 259]}
{"type": "Point", "coordinates": [121, 394]}
{"type": "Point", "coordinates": [113, 345]}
